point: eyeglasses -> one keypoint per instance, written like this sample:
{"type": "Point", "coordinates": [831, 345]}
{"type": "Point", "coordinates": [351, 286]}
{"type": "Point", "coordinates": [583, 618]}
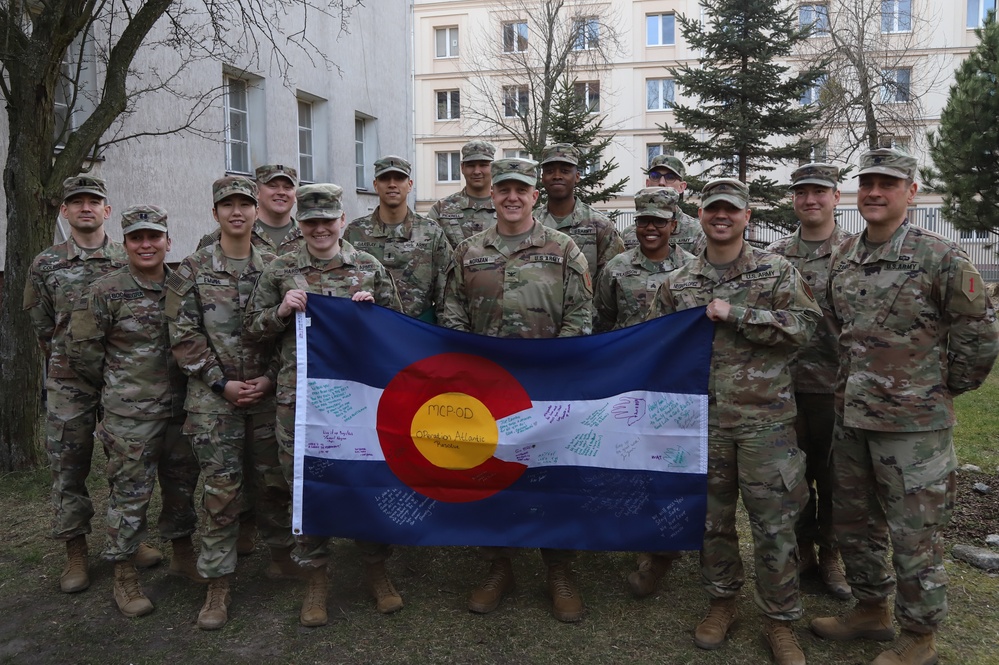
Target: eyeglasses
{"type": "Point", "coordinates": [657, 222]}
{"type": "Point", "coordinates": [668, 176]}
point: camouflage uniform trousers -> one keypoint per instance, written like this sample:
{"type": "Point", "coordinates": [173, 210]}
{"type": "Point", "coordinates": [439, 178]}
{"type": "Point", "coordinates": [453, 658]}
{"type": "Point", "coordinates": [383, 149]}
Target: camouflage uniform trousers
{"type": "Point", "coordinates": [902, 485]}
{"type": "Point", "coordinates": [221, 442]}
{"type": "Point", "coordinates": [766, 466]}
{"type": "Point", "coordinates": [71, 417]}
{"type": "Point", "coordinates": [138, 452]}
{"type": "Point", "coordinates": [814, 427]}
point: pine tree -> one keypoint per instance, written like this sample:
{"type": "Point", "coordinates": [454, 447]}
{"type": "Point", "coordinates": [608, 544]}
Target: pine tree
{"type": "Point", "coordinates": [965, 148]}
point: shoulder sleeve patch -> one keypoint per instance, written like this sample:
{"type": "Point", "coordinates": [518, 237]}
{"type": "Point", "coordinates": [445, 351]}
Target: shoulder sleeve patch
{"type": "Point", "coordinates": [972, 285]}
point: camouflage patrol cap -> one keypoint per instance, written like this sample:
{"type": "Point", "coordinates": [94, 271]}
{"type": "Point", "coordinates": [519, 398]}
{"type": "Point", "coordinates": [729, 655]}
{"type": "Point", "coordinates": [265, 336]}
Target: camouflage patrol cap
{"type": "Point", "coordinates": [668, 162]}
{"type": "Point", "coordinates": [514, 168]}
{"type": "Point", "coordinates": [390, 163]}
{"type": "Point", "coordinates": [478, 151]}
{"type": "Point", "coordinates": [888, 161]}
{"type": "Point", "coordinates": [268, 172]}
{"type": "Point", "coordinates": [234, 184]}
{"type": "Point", "coordinates": [725, 189]}
{"type": "Point", "coordinates": [656, 202]}
{"type": "Point", "coordinates": [560, 152]}
{"type": "Point", "coordinates": [139, 217]}
{"type": "Point", "coordinates": [816, 173]}
{"type": "Point", "coordinates": [320, 201]}
{"type": "Point", "coordinates": [84, 184]}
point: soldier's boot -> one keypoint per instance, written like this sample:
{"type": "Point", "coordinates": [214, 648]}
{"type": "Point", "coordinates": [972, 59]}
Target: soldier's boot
{"type": "Point", "coordinates": [831, 569]}
{"type": "Point", "coordinates": [651, 569]}
{"type": "Point", "coordinates": [498, 582]}
{"type": "Point", "coordinates": [567, 604]}
{"type": "Point", "coordinates": [807, 563]}
{"type": "Point", "coordinates": [387, 599]}
{"type": "Point", "coordinates": [247, 540]}
{"type": "Point", "coordinates": [146, 556]}
{"type": "Point", "coordinates": [282, 566]}
{"type": "Point", "coordinates": [870, 619]}
{"type": "Point", "coordinates": [215, 612]}
{"type": "Point", "coordinates": [314, 605]}
{"type": "Point", "coordinates": [127, 593]}
{"type": "Point", "coordinates": [910, 649]}
{"type": "Point", "coordinates": [74, 576]}
{"type": "Point", "coordinates": [184, 562]}
{"type": "Point", "coordinates": [712, 630]}
{"type": "Point", "coordinates": [783, 642]}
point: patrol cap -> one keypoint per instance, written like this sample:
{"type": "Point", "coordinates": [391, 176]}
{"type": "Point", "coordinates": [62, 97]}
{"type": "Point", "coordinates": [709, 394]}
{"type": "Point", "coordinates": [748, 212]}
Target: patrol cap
{"type": "Point", "coordinates": [668, 162]}
{"type": "Point", "coordinates": [816, 173]}
{"type": "Point", "coordinates": [888, 161]}
{"type": "Point", "coordinates": [84, 184]}
{"type": "Point", "coordinates": [560, 152]}
{"type": "Point", "coordinates": [390, 163]}
{"type": "Point", "coordinates": [234, 184]}
{"type": "Point", "coordinates": [478, 151]}
{"type": "Point", "coordinates": [514, 168]}
{"type": "Point", "coordinates": [725, 189]}
{"type": "Point", "coordinates": [656, 202]}
{"type": "Point", "coordinates": [319, 201]}
{"type": "Point", "coordinates": [139, 217]}
{"type": "Point", "coordinates": [268, 172]}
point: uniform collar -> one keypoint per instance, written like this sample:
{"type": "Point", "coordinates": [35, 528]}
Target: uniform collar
{"type": "Point", "coordinates": [889, 251]}
{"type": "Point", "coordinates": [535, 239]}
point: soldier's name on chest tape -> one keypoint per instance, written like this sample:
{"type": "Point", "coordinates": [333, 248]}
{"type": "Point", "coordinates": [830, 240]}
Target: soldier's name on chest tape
{"type": "Point", "coordinates": [479, 260]}
{"type": "Point", "coordinates": [451, 215]}
{"type": "Point", "coordinates": [211, 281]}
{"type": "Point", "coordinates": [52, 267]}
{"type": "Point", "coordinates": [682, 286]}
{"type": "Point", "coordinates": [129, 294]}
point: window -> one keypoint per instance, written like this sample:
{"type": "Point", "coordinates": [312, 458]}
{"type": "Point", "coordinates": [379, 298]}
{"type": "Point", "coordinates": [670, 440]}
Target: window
{"type": "Point", "coordinates": [364, 149]}
{"type": "Point", "coordinates": [818, 153]}
{"type": "Point", "coordinates": [814, 92]}
{"type": "Point", "coordinates": [448, 104]}
{"type": "Point", "coordinates": [237, 130]}
{"type": "Point", "coordinates": [448, 166]}
{"type": "Point", "coordinates": [895, 85]}
{"type": "Point", "coordinates": [656, 149]}
{"type": "Point", "coordinates": [892, 141]}
{"type": "Point", "coordinates": [514, 153]}
{"type": "Point", "coordinates": [76, 89]}
{"type": "Point", "coordinates": [514, 37]}
{"type": "Point", "coordinates": [816, 16]}
{"type": "Point", "coordinates": [896, 15]}
{"type": "Point", "coordinates": [588, 95]}
{"type": "Point", "coordinates": [978, 10]}
{"type": "Point", "coordinates": [306, 146]}
{"type": "Point", "coordinates": [659, 94]}
{"type": "Point", "coordinates": [447, 42]}
{"type": "Point", "coordinates": [589, 168]}
{"type": "Point", "coordinates": [659, 30]}
{"type": "Point", "coordinates": [515, 101]}
{"type": "Point", "coordinates": [587, 34]}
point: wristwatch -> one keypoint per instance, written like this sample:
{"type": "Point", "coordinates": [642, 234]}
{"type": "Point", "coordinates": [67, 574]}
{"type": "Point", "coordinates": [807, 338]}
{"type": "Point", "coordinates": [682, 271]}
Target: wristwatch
{"type": "Point", "coordinates": [219, 386]}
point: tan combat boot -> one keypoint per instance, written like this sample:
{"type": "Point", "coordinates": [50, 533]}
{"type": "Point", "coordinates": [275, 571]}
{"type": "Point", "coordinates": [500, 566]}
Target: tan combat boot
{"type": "Point", "coordinates": [127, 593]}
{"type": "Point", "coordinates": [783, 642]}
{"type": "Point", "coordinates": [807, 563]}
{"type": "Point", "coordinates": [870, 619]}
{"type": "Point", "coordinates": [282, 566]}
{"type": "Point", "coordinates": [314, 606]}
{"type": "Point", "coordinates": [651, 568]}
{"type": "Point", "coordinates": [247, 540]}
{"type": "Point", "coordinates": [911, 649]}
{"type": "Point", "coordinates": [567, 604]}
{"type": "Point", "coordinates": [74, 576]}
{"type": "Point", "coordinates": [184, 562]}
{"type": "Point", "coordinates": [831, 569]}
{"type": "Point", "coordinates": [499, 582]}
{"type": "Point", "coordinates": [387, 599]}
{"type": "Point", "coordinates": [713, 628]}
{"type": "Point", "coordinates": [146, 556]}
{"type": "Point", "coordinates": [215, 612]}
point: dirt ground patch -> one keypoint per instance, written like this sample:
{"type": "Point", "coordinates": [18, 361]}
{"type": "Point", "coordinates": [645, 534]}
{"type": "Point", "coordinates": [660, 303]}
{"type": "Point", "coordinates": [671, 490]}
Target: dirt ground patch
{"type": "Point", "coordinates": [976, 515]}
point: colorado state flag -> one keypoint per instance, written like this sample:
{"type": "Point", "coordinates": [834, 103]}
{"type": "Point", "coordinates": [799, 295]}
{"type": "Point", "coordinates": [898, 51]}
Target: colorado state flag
{"type": "Point", "coordinates": [413, 434]}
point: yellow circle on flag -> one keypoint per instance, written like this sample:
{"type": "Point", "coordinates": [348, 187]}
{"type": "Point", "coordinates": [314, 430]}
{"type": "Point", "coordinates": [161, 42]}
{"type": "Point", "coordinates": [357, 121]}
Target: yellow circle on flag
{"type": "Point", "coordinates": [455, 431]}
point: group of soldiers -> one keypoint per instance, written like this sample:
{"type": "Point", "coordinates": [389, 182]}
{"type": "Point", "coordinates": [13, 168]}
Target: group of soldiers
{"type": "Point", "coordinates": [835, 361]}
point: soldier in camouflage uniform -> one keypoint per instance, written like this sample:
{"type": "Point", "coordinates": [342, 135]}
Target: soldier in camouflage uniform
{"type": "Point", "coordinates": [229, 404]}
{"type": "Point", "coordinates": [764, 312]}
{"type": "Point", "coordinates": [815, 191]}
{"type": "Point", "coordinates": [329, 266]}
{"type": "Point", "coordinates": [470, 211]}
{"type": "Point", "coordinates": [56, 280]}
{"type": "Point", "coordinates": [669, 171]}
{"type": "Point", "coordinates": [413, 248]}
{"type": "Point", "coordinates": [520, 279]}
{"type": "Point", "coordinates": [118, 338]}
{"type": "Point", "coordinates": [593, 232]}
{"type": "Point", "coordinates": [917, 328]}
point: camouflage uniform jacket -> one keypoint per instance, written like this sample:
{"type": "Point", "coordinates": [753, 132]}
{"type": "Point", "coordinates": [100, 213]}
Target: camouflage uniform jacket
{"type": "Point", "coordinates": [461, 218]}
{"type": "Point", "coordinates": [541, 289]}
{"type": "Point", "coordinates": [593, 233]}
{"type": "Point", "coordinates": [205, 305]}
{"type": "Point", "coordinates": [772, 313]}
{"type": "Point", "coordinates": [814, 367]}
{"type": "Point", "coordinates": [262, 241]}
{"type": "Point", "coordinates": [415, 252]}
{"type": "Point", "coordinates": [344, 275]}
{"type": "Point", "coordinates": [57, 279]}
{"type": "Point", "coordinates": [917, 329]}
{"type": "Point", "coordinates": [628, 284]}
{"type": "Point", "coordinates": [689, 235]}
{"type": "Point", "coordinates": [118, 336]}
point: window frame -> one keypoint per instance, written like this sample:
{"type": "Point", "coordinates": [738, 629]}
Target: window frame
{"type": "Point", "coordinates": [242, 141]}
{"type": "Point", "coordinates": [655, 149]}
{"type": "Point", "coordinates": [813, 94]}
{"type": "Point", "coordinates": [590, 91]}
{"type": "Point", "coordinates": [514, 45]}
{"type": "Point", "coordinates": [817, 16]}
{"type": "Point", "coordinates": [306, 134]}
{"type": "Point", "coordinates": [891, 89]}
{"type": "Point", "coordinates": [451, 106]}
{"type": "Point", "coordinates": [895, 17]}
{"type": "Point", "coordinates": [452, 164]}
{"type": "Point", "coordinates": [981, 13]}
{"type": "Point", "coordinates": [660, 18]}
{"type": "Point", "coordinates": [449, 42]}
{"type": "Point", "coordinates": [522, 101]}
{"type": "Point", "coordinates": [668, 104]}
{"type": "Point", "coordinates": [587, 34]}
